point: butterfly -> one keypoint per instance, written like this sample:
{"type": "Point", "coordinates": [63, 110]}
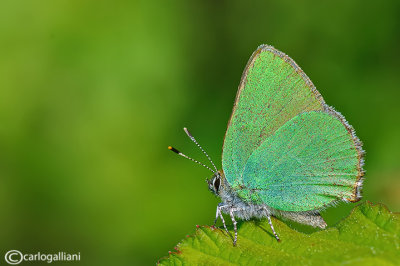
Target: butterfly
{"type": "Point", "coordinates": [286, 153]}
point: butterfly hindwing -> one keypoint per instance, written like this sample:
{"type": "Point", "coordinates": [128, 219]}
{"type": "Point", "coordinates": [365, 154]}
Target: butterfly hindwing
{"type": "Point", "coordinates": [308, 163]}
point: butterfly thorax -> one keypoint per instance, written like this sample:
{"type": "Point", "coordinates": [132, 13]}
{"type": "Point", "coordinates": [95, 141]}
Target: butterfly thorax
{"type": "Point", "coordinates": [220, 187]}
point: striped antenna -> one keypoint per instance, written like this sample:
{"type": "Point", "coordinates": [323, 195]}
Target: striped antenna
{"type": "Point", "coordinates": [187, 157]}
{"type": "Point", "coordinates": [198, 145]}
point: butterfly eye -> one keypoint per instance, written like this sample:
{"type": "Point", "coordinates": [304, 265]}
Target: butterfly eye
{"type": "Point", "coordinates": [216, 183]}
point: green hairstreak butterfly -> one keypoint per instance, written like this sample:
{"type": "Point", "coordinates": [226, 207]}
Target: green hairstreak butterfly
{"type": "Point", "coordinates": [286, 153]}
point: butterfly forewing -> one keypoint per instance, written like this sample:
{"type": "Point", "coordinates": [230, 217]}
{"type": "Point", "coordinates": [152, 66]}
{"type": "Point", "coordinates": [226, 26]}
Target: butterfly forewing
{"type": "Point", "coordinates": [272, 91]}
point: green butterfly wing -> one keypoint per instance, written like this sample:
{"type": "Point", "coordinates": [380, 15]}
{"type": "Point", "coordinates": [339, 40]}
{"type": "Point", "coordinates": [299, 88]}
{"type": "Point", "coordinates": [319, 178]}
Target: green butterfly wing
{"type": "Point", "coordinates": [309, 162]}
{"type": "Point", "coordinates": [273, 90]}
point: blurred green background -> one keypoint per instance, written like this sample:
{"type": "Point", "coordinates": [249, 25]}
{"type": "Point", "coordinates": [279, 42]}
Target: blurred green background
{"type": "Point", "coordinates": [93, 92]}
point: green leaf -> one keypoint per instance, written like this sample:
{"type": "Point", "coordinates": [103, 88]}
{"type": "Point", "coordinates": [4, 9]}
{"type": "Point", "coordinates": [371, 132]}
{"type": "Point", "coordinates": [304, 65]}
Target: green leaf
{"type": "Point", "coordinates": [370, 235]}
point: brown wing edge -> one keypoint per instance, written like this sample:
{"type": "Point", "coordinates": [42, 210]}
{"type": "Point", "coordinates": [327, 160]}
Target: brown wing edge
{"type": "Point", "coordinates": [260, 49]}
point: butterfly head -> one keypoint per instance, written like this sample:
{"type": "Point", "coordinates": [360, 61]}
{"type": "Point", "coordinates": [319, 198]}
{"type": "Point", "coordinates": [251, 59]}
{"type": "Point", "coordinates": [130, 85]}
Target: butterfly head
{"type": "Point", "coordinates": [214, 183]}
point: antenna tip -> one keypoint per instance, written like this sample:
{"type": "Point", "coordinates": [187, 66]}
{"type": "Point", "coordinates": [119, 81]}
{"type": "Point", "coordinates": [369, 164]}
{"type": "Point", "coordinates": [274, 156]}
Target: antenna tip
{"type": "Point", "coordinates": [187, 132]}
{"type": "Point", "coordinates": [173, 149]}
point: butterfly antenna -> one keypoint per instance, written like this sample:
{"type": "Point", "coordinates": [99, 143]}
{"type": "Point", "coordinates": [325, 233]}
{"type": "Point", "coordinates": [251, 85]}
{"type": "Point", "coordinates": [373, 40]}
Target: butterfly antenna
{"type": "Point", "coordinates": [198, 145]}
{"type": "Point", "coordinates": [187, 157]}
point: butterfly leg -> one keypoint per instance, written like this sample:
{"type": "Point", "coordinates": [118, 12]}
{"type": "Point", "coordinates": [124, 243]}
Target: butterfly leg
{"type": "Point", "coordinates": [234, 225]}
{"type": "Point", "coordinates": [270, 224]}
{"type": "Point", "coordinates": [219, 213]}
